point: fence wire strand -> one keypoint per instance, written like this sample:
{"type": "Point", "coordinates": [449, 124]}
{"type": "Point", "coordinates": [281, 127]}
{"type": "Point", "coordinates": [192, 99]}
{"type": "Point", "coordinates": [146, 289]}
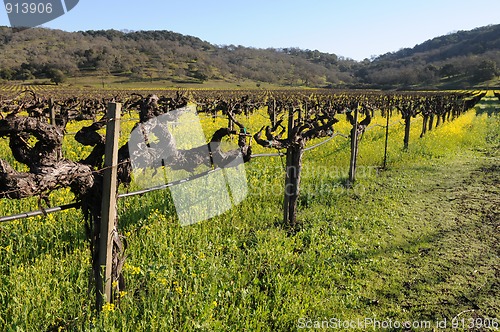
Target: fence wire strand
{"type": "Point", "coordinates": [24, 215]}
{"type": "Point", "coordinates": [55, 209]}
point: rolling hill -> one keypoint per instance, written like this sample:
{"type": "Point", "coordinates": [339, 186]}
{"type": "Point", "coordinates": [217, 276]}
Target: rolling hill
{"type": "Point", "coordinates": [458, 60]}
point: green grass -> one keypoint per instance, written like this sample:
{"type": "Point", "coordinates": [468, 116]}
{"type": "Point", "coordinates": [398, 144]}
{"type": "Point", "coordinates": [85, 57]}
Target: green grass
{"type": "Point", "coordinates": [418, 241]}
{"type": "Point", "coordinates": [118, 83]}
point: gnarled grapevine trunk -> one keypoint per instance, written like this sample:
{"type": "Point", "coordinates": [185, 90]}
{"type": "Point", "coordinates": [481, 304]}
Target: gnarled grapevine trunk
{"type": "Point", "coordinates": [299, 132]}
{"type": "Point", "coordinates": [38, 145]}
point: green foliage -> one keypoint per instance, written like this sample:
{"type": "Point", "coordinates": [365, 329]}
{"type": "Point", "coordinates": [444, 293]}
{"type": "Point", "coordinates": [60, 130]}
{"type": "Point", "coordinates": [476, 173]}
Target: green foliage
{"type": "Point", "coordinates": [57, 76]}
{"type": "Point", "coordinates": [484, 71]}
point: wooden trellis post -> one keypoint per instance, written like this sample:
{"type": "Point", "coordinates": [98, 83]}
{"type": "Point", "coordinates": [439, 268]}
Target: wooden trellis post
{"type": "Point", "coordinates": [105, 257]}
{"type": "Point", "coordinates": [230, 123]}
{"type": "Point", "coordinates": [293, 169]}
{"type": "Point", "coordinates": [386, 139]}
{"type": "Point", "coordinates": [52, 112]}
{"type": "Point", "coordinates": [274, 113]}
{"type": "Point", "coordinates": [354, 149]}
{"type": "Point", "coordinates": [406, 139]}
{"type": "Point", "coordinates": [52, 121]}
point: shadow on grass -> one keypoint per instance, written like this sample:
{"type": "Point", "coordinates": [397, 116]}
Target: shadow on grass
{"type": "Point", "coordinates": [488, 106]}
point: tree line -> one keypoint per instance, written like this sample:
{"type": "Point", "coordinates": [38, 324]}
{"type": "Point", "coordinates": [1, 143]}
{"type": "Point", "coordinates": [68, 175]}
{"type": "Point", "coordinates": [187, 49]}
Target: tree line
{"type": "Point", "coordinates": [461, 60]}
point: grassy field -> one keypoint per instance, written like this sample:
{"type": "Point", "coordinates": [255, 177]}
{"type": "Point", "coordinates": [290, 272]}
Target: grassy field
{"type": "Point", "coordinates": [416, 243]}
{"type": "Point", "coordinates": [118, 83]}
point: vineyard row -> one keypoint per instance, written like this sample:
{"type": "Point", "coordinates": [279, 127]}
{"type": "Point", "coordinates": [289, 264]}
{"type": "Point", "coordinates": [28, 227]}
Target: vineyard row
{"type": "Point", "coordinates": [35, 127]}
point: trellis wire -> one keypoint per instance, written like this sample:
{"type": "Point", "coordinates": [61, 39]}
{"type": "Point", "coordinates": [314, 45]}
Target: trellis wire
{"type": "Point", "coordinates": [55, 209]}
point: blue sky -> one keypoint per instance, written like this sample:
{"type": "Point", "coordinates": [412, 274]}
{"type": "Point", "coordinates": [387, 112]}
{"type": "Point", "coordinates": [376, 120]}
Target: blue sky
{"type": "Point", "coordinates": [351, 28]}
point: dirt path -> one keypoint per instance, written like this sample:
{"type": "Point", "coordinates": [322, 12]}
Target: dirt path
{"type": "Point", "coordinates": [456, 271]}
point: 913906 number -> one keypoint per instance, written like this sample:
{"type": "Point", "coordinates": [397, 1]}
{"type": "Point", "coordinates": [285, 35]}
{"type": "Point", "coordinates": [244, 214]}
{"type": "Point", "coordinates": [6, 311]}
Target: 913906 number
{"type": "Point", "coordinates": [475, 323]}
{"type": "Point", "coordinates": [28, 8]}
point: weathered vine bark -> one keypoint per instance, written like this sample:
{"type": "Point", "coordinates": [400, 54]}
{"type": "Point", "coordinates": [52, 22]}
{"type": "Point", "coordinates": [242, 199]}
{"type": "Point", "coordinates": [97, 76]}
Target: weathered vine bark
{"type": "Point", "coordinates": [47, 170]}
{"type": "Point", "coordinates": [431, 121]}
{"type": "Point", "coordinates": [386, 143]}
{"type": "Point", "coordinates": [299, 132]}
{"type": "Point", "coordinates": [292, 184]}
{"type": "Point", "coordinates": [38, 145]}
{"type": "Point", "coordinates": [438, 120]}
{"type": "Point", "coordinates": [358, 128]}
{"type": "Point", "coordinates": [409, 107]}
{"type": "Point", "coordinates": [424, 125]}
{"type": "Point", "coordinates": [354, 147]}
{"type": "Point", "coordinates": [406, 139]}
